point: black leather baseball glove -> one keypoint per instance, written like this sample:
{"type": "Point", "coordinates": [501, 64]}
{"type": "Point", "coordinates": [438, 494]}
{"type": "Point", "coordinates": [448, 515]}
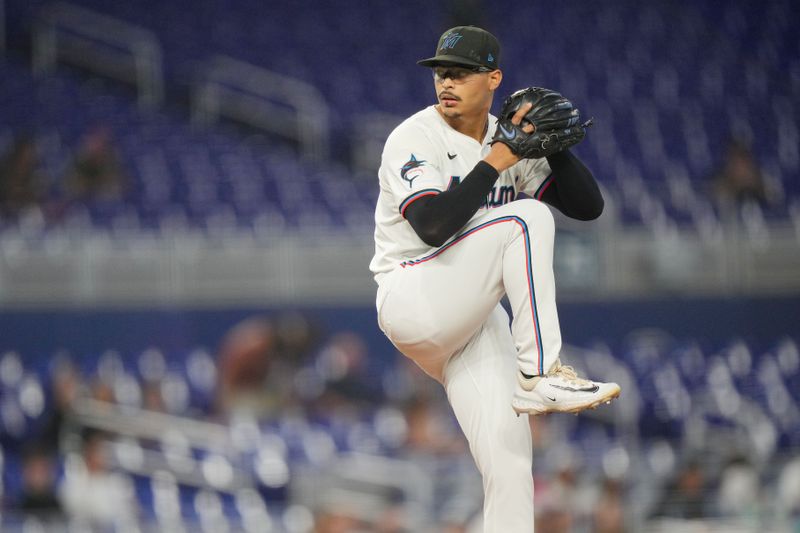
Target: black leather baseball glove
{"type": "Point", "coordinates": [555, 120]}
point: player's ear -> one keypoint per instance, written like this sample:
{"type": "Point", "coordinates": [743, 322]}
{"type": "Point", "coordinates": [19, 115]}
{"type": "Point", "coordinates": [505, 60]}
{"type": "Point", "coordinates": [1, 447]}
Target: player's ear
{"type": "Point", "coordinates": [495, 77]}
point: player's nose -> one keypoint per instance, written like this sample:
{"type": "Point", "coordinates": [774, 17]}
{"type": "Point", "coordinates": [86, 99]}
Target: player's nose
{"type": "Point", "coordinates": [447, 83]}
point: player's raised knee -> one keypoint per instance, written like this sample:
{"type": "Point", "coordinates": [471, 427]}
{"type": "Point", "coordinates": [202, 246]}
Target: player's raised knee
{"type": "Point", "coordinates": [536, 214]}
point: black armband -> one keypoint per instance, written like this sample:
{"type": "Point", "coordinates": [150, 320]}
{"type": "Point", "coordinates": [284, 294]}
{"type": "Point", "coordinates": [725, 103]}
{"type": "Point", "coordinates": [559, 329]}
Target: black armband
{"type": "Point", "coordinates": [436, 218]}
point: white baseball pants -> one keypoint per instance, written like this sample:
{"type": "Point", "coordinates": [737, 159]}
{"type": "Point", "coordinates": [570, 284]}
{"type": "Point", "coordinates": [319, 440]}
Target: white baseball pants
{"type": "Point", "coordinates": [442, 311]}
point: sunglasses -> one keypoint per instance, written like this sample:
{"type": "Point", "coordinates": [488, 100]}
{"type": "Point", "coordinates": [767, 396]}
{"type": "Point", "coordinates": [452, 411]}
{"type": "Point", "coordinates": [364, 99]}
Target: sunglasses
{"type": "Point", "coordinates": [456, 74]}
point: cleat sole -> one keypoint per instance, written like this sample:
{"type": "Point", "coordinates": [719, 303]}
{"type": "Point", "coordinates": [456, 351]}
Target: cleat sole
{"type": "Point", "coordinates": [535, 410]}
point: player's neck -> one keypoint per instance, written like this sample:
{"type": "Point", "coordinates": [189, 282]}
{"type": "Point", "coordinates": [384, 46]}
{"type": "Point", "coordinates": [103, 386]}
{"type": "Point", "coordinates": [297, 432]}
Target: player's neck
{"type": "Point", "coordinates": [473, 126]}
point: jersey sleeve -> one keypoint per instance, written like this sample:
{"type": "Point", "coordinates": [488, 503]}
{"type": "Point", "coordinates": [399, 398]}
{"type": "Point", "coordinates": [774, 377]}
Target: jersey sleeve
{"type": "Point", "coordinates": [409, 168]}
{"type": "Point", "coordinates": [535, 177]}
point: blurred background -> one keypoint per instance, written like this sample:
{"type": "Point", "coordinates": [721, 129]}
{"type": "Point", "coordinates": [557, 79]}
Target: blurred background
{"type": "Point", "coordinates": [187, 330]}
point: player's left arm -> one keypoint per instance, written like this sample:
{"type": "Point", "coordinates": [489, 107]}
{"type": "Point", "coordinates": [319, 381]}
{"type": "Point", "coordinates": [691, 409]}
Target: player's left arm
{"type": "Point", "coordinates": [571, 187]}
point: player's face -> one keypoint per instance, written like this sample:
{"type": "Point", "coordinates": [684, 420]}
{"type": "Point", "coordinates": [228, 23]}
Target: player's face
{"type": "Point", "coordinates": [463, 91]}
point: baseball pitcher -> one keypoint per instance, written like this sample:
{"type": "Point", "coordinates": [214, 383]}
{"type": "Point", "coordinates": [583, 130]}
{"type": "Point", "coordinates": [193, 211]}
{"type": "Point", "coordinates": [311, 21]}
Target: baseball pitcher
{"type": "Point", "coordinates": [451, 239]}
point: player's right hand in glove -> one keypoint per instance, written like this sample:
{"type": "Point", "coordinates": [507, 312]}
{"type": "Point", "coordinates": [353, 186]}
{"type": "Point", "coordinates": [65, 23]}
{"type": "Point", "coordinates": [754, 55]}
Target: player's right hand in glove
{"type": "Point", "coordinates": [555, 121]}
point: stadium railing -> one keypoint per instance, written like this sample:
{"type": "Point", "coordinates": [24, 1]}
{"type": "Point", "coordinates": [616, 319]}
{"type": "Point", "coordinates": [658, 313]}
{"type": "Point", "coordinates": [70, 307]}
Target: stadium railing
{"type": "Point", "coordinates": [263, 98]}
{"type": "Point", "coordinates": [100, 43]}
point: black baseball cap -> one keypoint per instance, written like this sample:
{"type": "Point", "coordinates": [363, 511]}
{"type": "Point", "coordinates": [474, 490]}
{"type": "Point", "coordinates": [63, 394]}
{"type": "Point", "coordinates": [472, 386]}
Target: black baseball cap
{"type": "Point", "coordinates": [467, 46]}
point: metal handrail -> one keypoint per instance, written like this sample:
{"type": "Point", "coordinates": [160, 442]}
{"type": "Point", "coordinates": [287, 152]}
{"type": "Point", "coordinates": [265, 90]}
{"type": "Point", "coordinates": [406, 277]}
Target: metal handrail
{"type": "Point", "coordinates": [99, 42]}
{"type": "Point", "coordinates": [265, 99]}
{"type": "Point", "coordinates": [142, 425]}
{"type": "Point", "coordinates": [131, 422]}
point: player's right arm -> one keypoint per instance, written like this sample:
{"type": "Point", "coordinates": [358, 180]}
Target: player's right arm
{"type": "Point", "coordinates": [436, 218]}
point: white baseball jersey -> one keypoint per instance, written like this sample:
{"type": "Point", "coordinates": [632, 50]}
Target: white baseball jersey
{"type": "Point", "coordinates": [425, 156]}
{"type": "Point", "coordinates": [440, 306]}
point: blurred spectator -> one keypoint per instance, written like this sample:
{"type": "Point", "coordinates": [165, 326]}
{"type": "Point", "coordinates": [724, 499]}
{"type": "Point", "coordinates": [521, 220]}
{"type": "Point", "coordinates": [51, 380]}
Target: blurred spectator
{"type": "Point", "coordinates": [333, 521]}
{"type": "Point", "coordinates": [342, 363]}
{"type": "Point", "coordinates": [21, 184]}
{"type": "Point", "coordinates": [427, 432]}
{"type": "Point", "coordinates": [245, 359]}
{"type": "Point", "coordinates": [404, 380]}
{"type": "Point", "coordinates": [66, 387]}
{"type": "Point", "coordinates": [608, 515]}
{"type": "Point", "coordinates": [440, 451]}
{"type": "Point", "coordinates": [558, 499]}
{"type": "Point", "coordinates": [553, 520]}
{"type": "Point", "coordinates": [96, 173]}
{"type": "Point", "coordinates": [296, 337]}
{"type": "Point", "coordinates": [102, 391]}
{"type": "Point", "coordinates": [90, 491]}
{"type": "Point", "coordinates": [344, 518]}
{"type": "Point", "coordinates": [739, 180]}
{"type": "Point", "coordinates": [685, 496]}
{"type": "Point", "coordinates": [788, 492]}
{"type": "Point", "coordinates": [739, 490]}
{"type": "Point", "coordinates": [393, 520]}
{"type": "Point", "coordinates": [39, 484]}
{"type": "Point", "coordinates": [152, 399]}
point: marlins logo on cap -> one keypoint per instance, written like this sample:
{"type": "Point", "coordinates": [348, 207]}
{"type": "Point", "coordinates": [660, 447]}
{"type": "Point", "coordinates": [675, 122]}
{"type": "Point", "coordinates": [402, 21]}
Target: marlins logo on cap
{"type": "Point", "coordinates": [449, 40]}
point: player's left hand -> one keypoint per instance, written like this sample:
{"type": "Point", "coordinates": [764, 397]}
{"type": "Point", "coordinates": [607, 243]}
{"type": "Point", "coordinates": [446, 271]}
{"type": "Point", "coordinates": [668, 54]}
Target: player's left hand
{"type": "Point", "coordinates": [519, 116]}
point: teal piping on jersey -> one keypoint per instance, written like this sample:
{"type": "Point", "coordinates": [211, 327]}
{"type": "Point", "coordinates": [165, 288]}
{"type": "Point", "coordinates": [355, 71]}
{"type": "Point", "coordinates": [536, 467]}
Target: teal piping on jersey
{"type": "Point", "coordinates": [416, 196]}
{"type": "Point", "coordinates": [543, 187]}
{"type": "Point", "coordinates": [528, 264]}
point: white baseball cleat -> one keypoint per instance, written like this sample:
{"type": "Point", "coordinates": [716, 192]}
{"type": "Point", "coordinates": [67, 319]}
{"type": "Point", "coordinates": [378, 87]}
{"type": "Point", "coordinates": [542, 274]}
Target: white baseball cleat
{"type": "Point", "coordinates": [560, 391]}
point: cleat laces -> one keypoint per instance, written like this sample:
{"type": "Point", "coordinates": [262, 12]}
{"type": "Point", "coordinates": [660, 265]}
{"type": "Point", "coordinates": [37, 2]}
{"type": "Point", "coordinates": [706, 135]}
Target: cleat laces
{"type": "Point", "coordinates": [568, 373]}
